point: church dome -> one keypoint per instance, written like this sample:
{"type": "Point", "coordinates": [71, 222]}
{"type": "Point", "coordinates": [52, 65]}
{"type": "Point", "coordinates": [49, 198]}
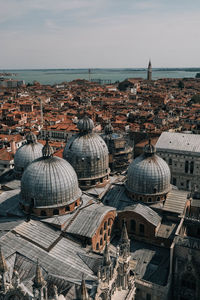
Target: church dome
{"type": "Point", "coordinates": [49, 183]}
{"type": "Point", "coordinates": [148, 174]}
{"type": "Point", "coordinates": [26, 154]}
{"type": "Point", "coordinates": [85, 125]}
{"type": "Point", "coordinates": [88, 154]}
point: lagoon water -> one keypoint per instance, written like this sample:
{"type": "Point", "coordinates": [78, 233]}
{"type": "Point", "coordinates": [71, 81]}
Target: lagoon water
{"type": "Point", "coordinates": [52, 76]}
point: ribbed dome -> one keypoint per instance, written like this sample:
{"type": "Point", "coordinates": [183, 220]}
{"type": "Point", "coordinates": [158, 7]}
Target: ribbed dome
{"type": "Point", "coordinates": [48, 182]}
{"type": "Point", "coordinates": [87, 153]}
{"type": "Point", "coordinates": [85, 125]}
{"type": "Point", "coordinates": [27, 153]}
{"type": "Point", "coordinates": [148, 174]}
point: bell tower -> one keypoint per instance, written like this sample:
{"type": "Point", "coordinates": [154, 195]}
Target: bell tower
{"type": "Point", "coordinates": [149, 71]}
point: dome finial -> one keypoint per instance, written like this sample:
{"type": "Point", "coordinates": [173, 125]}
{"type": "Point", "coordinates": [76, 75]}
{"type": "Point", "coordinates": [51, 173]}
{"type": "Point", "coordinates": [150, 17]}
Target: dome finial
{"type": "Point", "coordinates": [149, 149]}
{"type": "Point", "coordinates": [31, 138]}
{"type": "Point", "coordinates": [47, 150]}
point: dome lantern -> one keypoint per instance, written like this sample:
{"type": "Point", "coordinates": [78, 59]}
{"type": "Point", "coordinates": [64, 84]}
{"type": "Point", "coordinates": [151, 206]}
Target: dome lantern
{"type": "Point", "coordinates": [85, 125]}
{"type": "Point", "coordinates": [47, 150]}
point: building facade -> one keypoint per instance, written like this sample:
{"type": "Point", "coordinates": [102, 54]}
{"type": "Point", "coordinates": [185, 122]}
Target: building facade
{"type": "Point", "coordinates": [182, 153]}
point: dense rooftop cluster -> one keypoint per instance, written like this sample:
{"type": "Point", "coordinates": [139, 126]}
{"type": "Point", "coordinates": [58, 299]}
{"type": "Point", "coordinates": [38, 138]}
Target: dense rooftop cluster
{"type": "Point", "coordinates": [133, 106]}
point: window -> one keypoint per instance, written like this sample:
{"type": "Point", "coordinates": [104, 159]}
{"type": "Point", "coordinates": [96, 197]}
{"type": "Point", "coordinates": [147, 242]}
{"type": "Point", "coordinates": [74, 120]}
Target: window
{"type": "Point", "coordinates": [97, 246]}
{"type": "Point", "coordinates": [174, 181]}
{"type": "Point", "coordinates": [105, 237]}
{"type": "Point", "coordinates": [109, 221]}
{"type": "Point", "coordinates": [191, 167]}
{"type": "Point", "coordinates": [55, 212]}
{"type": "Point", "coordinates": [188, 184]}
{"type": "Point", "coordinates": [142, 228]}
{"type": "Point", "coordinates": [148, 296]}
{"type": "Point", "coordinates": [105, 225]}
{"type": "Point", "coordinates": [158, 198]}
{"type": "Point", "coordinates": [43, 213]}
{"type": "Point", "coordinates": [101, 242]}
{"type": "Point", "coordinates": [186, 166]}
{"type": "Point", "coordinates": [133, 225]}
{"type": "Point", "coordinates": [101, 230]}
{"type": "Point", "coordinates": [67, 208]}
{"type": "Point", "coordinates": [170, 161]}
{"type": "Point", "coordinates": [149, 199]}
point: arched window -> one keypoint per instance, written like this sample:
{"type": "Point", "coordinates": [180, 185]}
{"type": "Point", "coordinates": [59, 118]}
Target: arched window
{"type": "Point", "coordinates": [140, 198]}
{"type": "Point", "coordinates": [109, 221]}
{"type": "Point", "coordinates": [105, 225]}
{"type": "Point", "coordinates": [101, 230]}
{"type": "Point", "coordinates": [142, 228]}
{"type": "Point", "coordinates": [101, 241]}
{"type": "Point", "coordinates": [158, 198]}
{"type": "Point", "coordinates": [55, 212]}
{"type": "Point", "coordinates": [133, 225]}
{"type": "Point", "coordinates": [170, 161]}
{"type": "Point", "coordinates": [155, 190]}
{"type": "Point", "coordinates": [191, 167]}
{"type": "Point", "coordinates": [105, 237]}
{"type": "Point", "coordinates": [97, 246]}
{"type": "Point", "coordinates": [149, 199]}
{"type": "Point", "coordinates": [43, 213]}
{"type": "Point", "coordinates": [67, 208]}
{"type": "Point", "coordinates": [186, 166]}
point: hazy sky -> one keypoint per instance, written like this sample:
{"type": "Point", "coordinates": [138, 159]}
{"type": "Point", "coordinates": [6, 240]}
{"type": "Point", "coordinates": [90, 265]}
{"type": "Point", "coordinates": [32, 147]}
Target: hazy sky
{"type": "Point", "coordinates": [99, 33]}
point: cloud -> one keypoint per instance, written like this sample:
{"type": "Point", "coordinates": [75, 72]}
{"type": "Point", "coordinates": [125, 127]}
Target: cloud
{"type": "Point", "coordinates": [99, 34]}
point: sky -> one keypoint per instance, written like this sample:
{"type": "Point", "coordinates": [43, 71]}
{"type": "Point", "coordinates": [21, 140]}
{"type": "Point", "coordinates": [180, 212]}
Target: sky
{"type": "Point", "coordinates": [99, 33]}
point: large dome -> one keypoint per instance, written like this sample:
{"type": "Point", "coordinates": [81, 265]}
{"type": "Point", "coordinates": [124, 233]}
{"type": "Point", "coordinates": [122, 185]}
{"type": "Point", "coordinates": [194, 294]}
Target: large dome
{"type": "Point", "coordinates": [88, 154]}
{"type": "Point", "coordinates": [26, 154]}
{"type": "Point", "coordinates": [148, 174]}
{"type": "Point", "coordinates": [49, 182]}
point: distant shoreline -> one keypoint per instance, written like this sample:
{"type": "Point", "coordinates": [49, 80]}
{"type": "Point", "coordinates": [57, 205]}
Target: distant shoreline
{"type": "Point", "coordinates": [6, 72]}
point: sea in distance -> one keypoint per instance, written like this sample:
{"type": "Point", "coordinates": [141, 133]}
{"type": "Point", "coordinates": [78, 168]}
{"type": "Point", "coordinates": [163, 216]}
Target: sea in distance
{"type": "Point", "coordinates": [53, 76]}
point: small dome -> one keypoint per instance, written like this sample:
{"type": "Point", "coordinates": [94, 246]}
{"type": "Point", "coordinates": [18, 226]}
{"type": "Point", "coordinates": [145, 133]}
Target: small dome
{"type": "Point", "coordinates": [31, 138]}
{"type": "Point", "coordinates": [49, 181]}
{"type": "Point", "coordinates": [26, 154]}
{"type": "Point", "coordinates": [85, 125]}
{"type": "Point", "coordinates": [148, 174]}
{"type": "Point", "coordinates": [108, 129]}
{"type": "Point", "coordinates": [88, 154]}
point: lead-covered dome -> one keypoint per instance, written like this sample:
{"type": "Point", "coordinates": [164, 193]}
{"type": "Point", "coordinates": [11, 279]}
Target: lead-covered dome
{"type": "Point", "coordinates": [28, 152]}
{"type": "Point", "coordinates": [49, 185]}
{"type": "Point", "coordinates": [88, 154]}
{"type": "Point", "coordinates": [148, 175]}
